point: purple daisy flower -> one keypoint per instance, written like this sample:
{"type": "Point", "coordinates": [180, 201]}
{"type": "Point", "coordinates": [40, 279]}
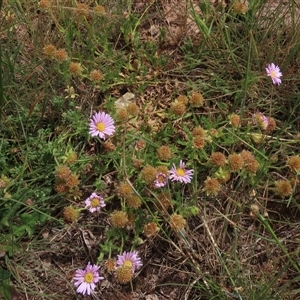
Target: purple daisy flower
{"type": "Point", "coordinates": [274, 72]}
{"type": "Point", "coordinates": [101, 124]}
{"type": "Point", "coordinates": [85, 279]}
{"type": "Point", "coordinates": [181, 174]}
{"type": "Point", "coordinates": [261, 120]}
{"type": "Point", "coordinates": [129, 259]}
{"type": "Point", "coordinates": [160, 180]}
{"type": "Point", "coordinates": [94, 203]}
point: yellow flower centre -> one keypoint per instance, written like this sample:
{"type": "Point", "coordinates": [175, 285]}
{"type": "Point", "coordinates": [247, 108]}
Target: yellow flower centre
{"type": "Point", "coordinates": [127, 263]}
{"type": "Point", "coordinates": [100, 126]}
{"type": "Point", "coordinates": [180, 172]}
{"type": "Point", "coordinates": [160, 178]}
{"type": "Point", "coordinates": [88, 277]}
{"type": "Point", "coordinates": [273, 74]}
{"type": "Point", "coordinates": [95, 202]}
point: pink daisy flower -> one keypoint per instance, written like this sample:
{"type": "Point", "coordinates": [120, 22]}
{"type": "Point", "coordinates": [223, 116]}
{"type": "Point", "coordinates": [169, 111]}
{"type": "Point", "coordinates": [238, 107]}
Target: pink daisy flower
{"type": "Point", "coordinates": [101, 124]}
{"type": "Point", "coordinates": [181, 174]}
{"type": "Point", "coordinates": [160, 180]}
{"type": "Point", "coordinates": [94, 203]}
{"type": "Point", "coordinates": [85, 279]}
{"type": "Point", "coordinates": [129, 259]}
{"type": "Point", "coordinates": [261, 120]}
{"type": "Point", "coordinates": [274, 72]}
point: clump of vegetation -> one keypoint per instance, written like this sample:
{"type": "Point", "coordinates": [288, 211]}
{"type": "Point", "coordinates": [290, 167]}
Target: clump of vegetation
{"type": "Point", "coordinates": [159, 156]}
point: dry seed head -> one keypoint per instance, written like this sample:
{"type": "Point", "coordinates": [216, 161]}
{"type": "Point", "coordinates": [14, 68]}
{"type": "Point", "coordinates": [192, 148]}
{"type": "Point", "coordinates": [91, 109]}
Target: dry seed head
{"type": "Point", "coordinates": [110, 265]}
{"type": "Point", "coordinates": [137, 163]}
{"type": "Point", "coordinates": [124, 274]}
{"type": "Point", "coordinates": [45, 3]}
{"type": "Point", "coordinates": [235, 121]}
{"type": "Point", "coordinates": [196, 100]}
{"type": "Point", "coordinates": [132, 109]}
{"type": "Point", "coordinates": [140, 145]}
{"type": "Point", "coordinates": [163, 169]}
{"type": "Point", "coordinates": [148, 174]}
{"type": "Point", "coordinates": [283, 188]}
{"type": "Point", "coordinates": [82, 9]}
{"type": "Point", "coordinates": [217, 159]}
{"type": "Point", "coordinates": [96, 76]}
{"type": "Point", "coordinates": [133, 201]}
{"type": "Point", "coordinates": [164, 153]}
{"type": "Point", "coordinates": [151, 229]}
{"type": "Point", "coordinates": [62, 172]}
{"type": "Point", "coordinates": [178, 108]}
{"type": "Point", "coordinates": [72, 181]}
{"type": "Point", "coordinates": [163, 201]}
{"type": "Point", "coordinates": [254, 211]}
{"type": "Point", "coordinates": [182, 99]}
{"type": "Point", "coordinates": [250, 162]}
{"type": "Point", "coordinates": [177, 222]}
{"type": "Point", "coordinates": [99, 9]}
{"type": "Point", "coordinates": [198, 142]}
{"type": "Point", "coordinates": [70, 214]}
{"type": "Point", "coordinates": [239, 7]}
{"type": "Point", "coordinates": [71, 158]}
{"type": "Point", "coordinates": [75, 69]}
{"type": "Point", "coordinates": [122, 115]}
{"type": "Point", "coordinates": [271, 125]}
{"type": "Point", "coordinates": [235, 162]}
{"type": "Point", "coordinates": [61, 187]}
{"type": "Point", "coordinates": [198, 131]}
{"type": "Point", "coordinates": [118, 219]}
{"type": "Point", "coordinates": [294, 163]}
{"type": "Point", "coordinates": [49, 51]}
{"type": "Point", "coordinates": [125, 189]}
{"type": "Point", "coordinates": [211, 186]}
{"type": "Point", "coordinates": [61, 55]}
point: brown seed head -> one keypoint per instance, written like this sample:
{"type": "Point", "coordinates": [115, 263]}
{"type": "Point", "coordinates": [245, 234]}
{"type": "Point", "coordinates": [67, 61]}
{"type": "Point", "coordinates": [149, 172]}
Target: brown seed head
{"type": "Point", "coordinates": [211, 186]}
{"type": "Point", "coordinates": [96, 76]}
{"type": "Point", "coordinates": [122, 115]}
{"type": "Point", "coordinates": [198, 131]}
{"type": "Point", "coordinates": [61, 55]}
{"type": "Point", "coordinates": [108, 146]}
{"type": "Point", "coordinates": [163, 169]}
{"type": "Point", "coordinates": [177, 222]}
{"type": "Point", "coordinates": [217, 159]}
{"type": "Point", "coordinates": [164, 153]}
{"type": "Point", "coordinates": [125, 189]}
{"type": "Point", "coordinates": [61, 187]}
{"type": "Point", "coordinates": [133, 109]}
{"type": "Point", "coordinates": [235, 162]}
{"type": "Point", "coordinates": [271, 125]}
{"type": "Point", "coordinates": [72, 181]}
{"type": "Point", "coordinates": [294, 163]}
{"type": "Point", "coordinates": [151, 229]}
{"type": "Point", "coordinates": [118, 219]}
{"type": "Point", "coordinates": [45, 3]}
{"type": "Point", "coordinates": [49, 51]}
{"type": "Point", "coordinates": [178, 108]}
{"type": "Point", "coordinates": [198, 142]}
{"type": "Point", "coordinates": [148, 174]}
{"type": "Point", "coordinates": [283, 188]}
{"type": "Point", "coordinates": [82, 9]}
{"type": "Point", "coordinates": [163, 201]}
{"type": "Point", "coordinates": [70, 214]}
{"type": "Point", "coordinates": [250, 162]}
{"type": "Point", "coordinates": [239, 8]}
{"type": "Point", "coordinates": [110, 265]}
{"type": "Point", "coordinates": [235, 121]}
{"type": "Point", "coordinates": [133, 201]}
{"type": "Point", "coordinates": [124, 274]}
{"type": "Point", "coordinates": [62, 172]}
{"type": "Point", "coordinates": [182, 99]}
{"type": "Point", "coordinates": [196, 100]}
{"type": "Point", "coordinates": [137, 163]}
{"type": "Point", "coordinates": [75, 69]}
{"type": "Point", "coordinates": [99, 9]}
